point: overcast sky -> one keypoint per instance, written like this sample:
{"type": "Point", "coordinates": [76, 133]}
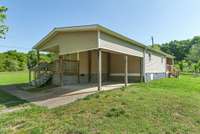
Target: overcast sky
{"type": "Point", "coordinates": [30, 20]}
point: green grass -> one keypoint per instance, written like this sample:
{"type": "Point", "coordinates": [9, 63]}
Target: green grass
{"type": "Point", "coordinates": [167, 106]}
{"type": "Point", "coordinates": [7, 78]}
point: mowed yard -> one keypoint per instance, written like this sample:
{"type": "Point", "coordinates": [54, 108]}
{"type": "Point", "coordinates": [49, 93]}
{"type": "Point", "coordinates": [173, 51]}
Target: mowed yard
{"type": "Point", "coordinates": [7, 78]}
{"type": "Point", "coordinates": [167, 106]}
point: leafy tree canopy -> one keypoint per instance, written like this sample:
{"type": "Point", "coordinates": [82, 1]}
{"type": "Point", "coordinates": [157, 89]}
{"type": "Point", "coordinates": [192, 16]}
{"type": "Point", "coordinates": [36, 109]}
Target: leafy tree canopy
{"type": "Point", "coordinates": [187, 53]}
{"type": "Point", "coordinates": [3, 27]}
{"type": "Point", "coordinates": [18, 61]}
{"type": "Point", "coordinates": [194, 53]}
{"type": "Point", "coordinates": [180, 49]}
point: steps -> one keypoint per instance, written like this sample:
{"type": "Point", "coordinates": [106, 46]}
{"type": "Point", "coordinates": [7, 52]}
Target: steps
{"type": "Point", "coordinates": [42, 80]}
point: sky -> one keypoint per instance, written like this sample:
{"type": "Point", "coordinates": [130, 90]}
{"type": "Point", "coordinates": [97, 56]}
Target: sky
{"type": "Point", "coordinates": [165, 20]}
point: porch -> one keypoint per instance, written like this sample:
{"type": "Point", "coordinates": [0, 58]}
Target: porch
{"type": "Point", "coordinates": [92, 54]}
{"type": "Point", "coordinates": [171, 70]}
{"type": "Point", "coordinates": [94, 66]}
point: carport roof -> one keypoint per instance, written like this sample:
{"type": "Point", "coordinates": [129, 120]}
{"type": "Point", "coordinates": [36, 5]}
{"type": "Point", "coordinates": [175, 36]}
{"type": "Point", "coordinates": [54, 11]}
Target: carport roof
{"type": "Point", "coordinates": [96, 27]}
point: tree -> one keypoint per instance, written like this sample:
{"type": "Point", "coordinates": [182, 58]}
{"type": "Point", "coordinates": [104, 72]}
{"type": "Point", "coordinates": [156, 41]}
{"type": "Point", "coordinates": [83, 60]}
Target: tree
{"type": "Point", "coordinates": [194, 53]}
{"type": "Point", "coordinates": [2, 63]}
{"type": "Point", "coordinates": [183, 65]}
{"type": "Point", "coordinates": [31, 59]}
{"type": "Point", "coordinates": [183, 50]}
{"type": "Point", "coordinates": [11, 65]}
{"type": "Point", "coordinates": [156, 46]}
{"type": "Point", "coordinates": [3, 27]}
{"type": "Point", "coordinates": [195, 68]}
{"type": "Point", "coordinates": [179, 49]}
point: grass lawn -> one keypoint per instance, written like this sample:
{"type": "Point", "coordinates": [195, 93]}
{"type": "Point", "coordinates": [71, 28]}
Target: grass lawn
{"type": "Point", "coordinates": [7, 78]}
{"type": "Point", "coordinates": [167, 106]}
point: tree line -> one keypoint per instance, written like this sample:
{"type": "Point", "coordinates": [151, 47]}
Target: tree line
{"type": "Point", "coordinates": [186, 52]}
{"type": "Point", "coordinates": [18, 61]}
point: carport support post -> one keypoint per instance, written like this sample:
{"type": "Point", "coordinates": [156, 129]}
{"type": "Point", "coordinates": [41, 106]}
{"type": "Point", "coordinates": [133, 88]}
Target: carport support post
{"type": "Point", "coordinates": [29, 70]}
{"type": "Point", "coordinates": [126, 71]}
{"type": "Point", "coordinates": [38, 62]}
{"type": "Point", "coordinates": [141, 69]}
{"type": "Point", "coordinates": [99, 70]}
{"type": "Point", "coordinates": [89, 65]}
{"type": "Point", "coordinates": [61, 69]}
{"type": "Point", "coordinates": [38, 56]}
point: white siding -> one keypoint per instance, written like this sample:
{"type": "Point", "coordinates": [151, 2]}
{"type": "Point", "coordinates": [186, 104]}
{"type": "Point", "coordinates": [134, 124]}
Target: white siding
{"type": "Point", "coordinates": [114, 44]}
{"type": "Point", "coordinates": [155, 65]}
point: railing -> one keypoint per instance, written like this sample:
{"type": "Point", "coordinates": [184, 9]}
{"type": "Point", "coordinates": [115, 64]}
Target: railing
{"type": "Point", "coordinates": [169, 68]}
{"type": "Point", "coordinates": [61, 67]}
{"type": "Point", "coordinates": [54, 66]}
{"type": "Point", "coordinates": [172, 71]}
{"type": "Point", "coordinates": [68, 67]}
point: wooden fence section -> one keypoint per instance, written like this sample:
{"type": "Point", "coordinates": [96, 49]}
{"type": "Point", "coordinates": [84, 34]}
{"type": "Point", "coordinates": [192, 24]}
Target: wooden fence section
{"type": "Point", "coordinates": [60, 67]}
{"type": "Point", "coordinates": [54, 67]}
{"type": "Point", "coordinates": [67, 67]}
{"type": "Point", "coordinates": [70, 67]}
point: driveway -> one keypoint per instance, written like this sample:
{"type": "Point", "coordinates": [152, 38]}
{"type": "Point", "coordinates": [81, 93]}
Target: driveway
{"type": "Point", "coordinates": [59, 96]}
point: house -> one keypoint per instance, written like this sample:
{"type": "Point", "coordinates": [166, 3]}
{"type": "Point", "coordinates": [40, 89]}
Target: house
{"type": "Point", "coordinates": [93, 53]}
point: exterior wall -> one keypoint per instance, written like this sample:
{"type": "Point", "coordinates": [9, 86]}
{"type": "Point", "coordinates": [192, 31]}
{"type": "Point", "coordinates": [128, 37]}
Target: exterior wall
{"type": "Point", "coordinates": [67, 79]}
{"type": "Point", "coordinates": [155, 64]}
{"type": "Point", "coordinates": [155, 76]}
{"type": "Point", "coordinates": [117, 64]}
{"type": "Point", "coordinates": [83, 57]}
{"type": "Point", "coordinates": [71, 42]}
{"type": "Point", "coordinates": [114, 44]}
{"type": "Point", "coordinates": [84, 68]}
{"type": "Point", "coordinates": [117, 68]}
{"type": "Point", "coordinates": [94, 66]}
{"type": "Point", "coordinates": [155, 67]}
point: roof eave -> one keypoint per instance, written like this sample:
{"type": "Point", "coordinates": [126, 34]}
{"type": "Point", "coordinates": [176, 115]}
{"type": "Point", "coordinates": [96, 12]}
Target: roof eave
{"type": "Point", "coordinates": [44, 38]}
{"type": "Point", "coordinates": [63, 29]}
{"type": "Point", "coordinates": [161, 52]}
{"type": "Point", "coordinates": [96, 27]}
{"type": "Point", "coordinates": [106, 30]}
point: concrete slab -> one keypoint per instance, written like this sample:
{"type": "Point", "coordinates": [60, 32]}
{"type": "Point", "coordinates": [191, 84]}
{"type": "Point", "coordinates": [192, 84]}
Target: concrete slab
{"type": "Point", "coordinates": [59, 96]}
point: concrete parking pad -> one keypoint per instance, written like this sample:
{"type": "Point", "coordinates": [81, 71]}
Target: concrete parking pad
{"type": "Point", "coordinates": [59, 96]}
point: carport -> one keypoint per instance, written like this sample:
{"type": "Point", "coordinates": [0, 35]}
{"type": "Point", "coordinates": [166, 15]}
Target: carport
{"type": "Point", "coordinates": [92, 54]}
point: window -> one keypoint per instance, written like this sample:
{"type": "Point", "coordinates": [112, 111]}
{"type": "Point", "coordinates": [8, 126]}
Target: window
{"type": "Point", "coordinates": [149, 56]}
